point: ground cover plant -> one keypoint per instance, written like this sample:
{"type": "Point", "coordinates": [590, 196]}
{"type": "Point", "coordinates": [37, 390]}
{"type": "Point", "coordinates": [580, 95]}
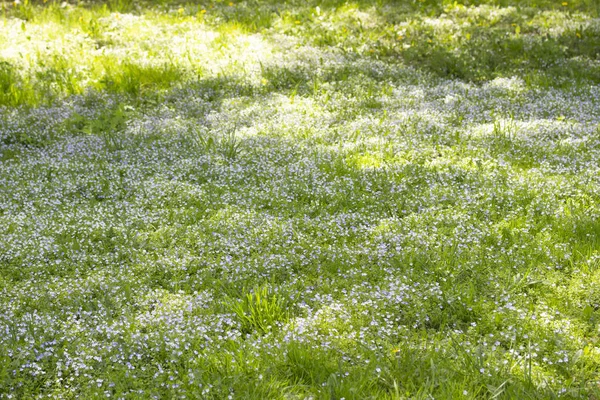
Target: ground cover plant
{"type": "Point", "coordinates": [301, 199]}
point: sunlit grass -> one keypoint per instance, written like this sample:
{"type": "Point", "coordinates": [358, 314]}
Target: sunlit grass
{"type": "Point", "coordinates": [288, 200]}
{"type": "Point", "coordinates": [51, 50]}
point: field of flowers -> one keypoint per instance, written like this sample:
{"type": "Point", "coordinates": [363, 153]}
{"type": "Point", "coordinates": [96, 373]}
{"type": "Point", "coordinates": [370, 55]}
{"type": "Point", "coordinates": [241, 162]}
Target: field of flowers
{"type": "Point", "coordinates": [300, 200]}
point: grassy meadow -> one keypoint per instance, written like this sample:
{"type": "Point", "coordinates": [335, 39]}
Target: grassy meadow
{"type": "Point", "coordinates": [300, 199]}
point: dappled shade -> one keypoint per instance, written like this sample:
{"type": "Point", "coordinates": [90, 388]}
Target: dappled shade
{"type": "Point", "coordinates": [133, 47]}
{"type": "Point", "coordinates": [300, 199]}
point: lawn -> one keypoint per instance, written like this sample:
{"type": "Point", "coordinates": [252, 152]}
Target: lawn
{"type": "Point", "coordinates": [300, 199]}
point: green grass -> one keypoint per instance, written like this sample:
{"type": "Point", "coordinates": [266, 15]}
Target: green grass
{"type": "Point", "coordinates": [301, 199]}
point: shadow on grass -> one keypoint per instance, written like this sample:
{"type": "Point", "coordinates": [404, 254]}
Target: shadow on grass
{"type": "Point", "coordinates": [545, 43]}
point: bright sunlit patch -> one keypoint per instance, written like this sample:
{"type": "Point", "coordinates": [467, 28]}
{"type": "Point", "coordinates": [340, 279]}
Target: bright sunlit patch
{"type": "Point", "coordinates": [513, 84]}
{"type": "Point", "coordinates": [362, 161]}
